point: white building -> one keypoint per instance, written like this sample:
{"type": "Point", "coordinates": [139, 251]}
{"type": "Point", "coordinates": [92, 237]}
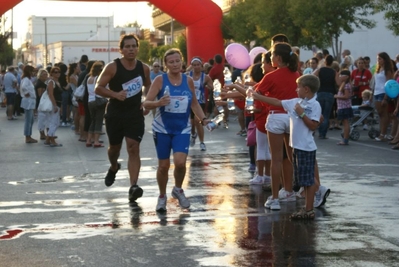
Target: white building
{"type": "Point", "coordinates": [67, 38]}
{"type": "Point", "coordinates": [70, 51]}
{"type": "Point", "coordinates": [367, 42]}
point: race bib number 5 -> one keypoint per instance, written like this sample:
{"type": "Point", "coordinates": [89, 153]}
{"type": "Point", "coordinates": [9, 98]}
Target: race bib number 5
{"type": "Point", "coordinates": [178, 104]}
{"type": "Point", "coordinates": [133, 87]}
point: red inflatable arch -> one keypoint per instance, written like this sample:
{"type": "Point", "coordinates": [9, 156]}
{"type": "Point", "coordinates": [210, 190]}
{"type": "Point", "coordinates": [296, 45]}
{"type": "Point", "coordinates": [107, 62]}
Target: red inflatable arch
{"type": "Point", "coordinates": [202, 19]}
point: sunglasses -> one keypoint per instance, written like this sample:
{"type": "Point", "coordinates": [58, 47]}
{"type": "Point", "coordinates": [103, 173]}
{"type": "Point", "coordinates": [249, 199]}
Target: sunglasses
{"type": "Point", "coordinates": [156, 66]}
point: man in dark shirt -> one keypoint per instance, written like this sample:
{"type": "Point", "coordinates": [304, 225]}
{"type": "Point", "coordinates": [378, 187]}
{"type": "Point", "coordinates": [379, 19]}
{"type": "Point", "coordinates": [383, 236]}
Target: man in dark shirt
{"type": "Point", "coordinates": [124, 118]}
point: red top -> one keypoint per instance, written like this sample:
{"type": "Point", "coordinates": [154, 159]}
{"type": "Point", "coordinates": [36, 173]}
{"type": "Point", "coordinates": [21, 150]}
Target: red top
{"type": "Point", "coordinates": [280, 84]}
{"type": "Point", "coordinates": [355, 78]}
{"type": "Point", "coordinates": [216, 72]}
{"type": "Point", "coordinates": [240, 103]}
{"type": "Point", "coordinates": [261, 117]}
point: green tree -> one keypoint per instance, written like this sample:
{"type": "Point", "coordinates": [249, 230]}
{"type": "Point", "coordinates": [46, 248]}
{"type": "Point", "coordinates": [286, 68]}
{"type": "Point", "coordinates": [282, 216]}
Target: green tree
{"type": "Point", "coordinates": [306, 23]}
{"type": "Point", "coordinates": [259, 20]}
{"type": "Point", "coordinates": [159, 51]}
{"type": "Point", "coordinates": [133, 25]}
{"type": "Point", "coordinates": [181, 43]}
{"type": "Point", "coordinates": [6, 52]}
{"type": "Point", "coordinates": [391, 9]}
{"type": "Point", "coordinates": [322, 22]}
{"type": "Point", "coordinates": [239, 24]}
{"type": "Point", "coordinates": [144, 51]}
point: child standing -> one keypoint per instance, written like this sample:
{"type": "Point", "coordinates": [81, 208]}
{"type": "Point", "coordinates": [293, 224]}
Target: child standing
{"type": "Point", "coordinates": [344, 107]}
{"type": "Point", "coordinates": [305, 114]}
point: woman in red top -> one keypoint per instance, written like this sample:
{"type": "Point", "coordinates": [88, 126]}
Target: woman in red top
{"type": "Point", "coordinates": [261, 112]}
{"type": "Point", "coordinates": [280, 84]}
{"type": "Point", "coordinates": [360, 79]}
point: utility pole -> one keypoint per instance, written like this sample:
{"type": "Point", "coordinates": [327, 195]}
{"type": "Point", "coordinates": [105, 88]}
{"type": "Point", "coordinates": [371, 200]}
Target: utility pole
{"type": "Point", "coordinates": [12, 28]}
{"type": "Point", "coordinates": [171, 31]}
{"type": "Point", "coordinates": [45, 42]}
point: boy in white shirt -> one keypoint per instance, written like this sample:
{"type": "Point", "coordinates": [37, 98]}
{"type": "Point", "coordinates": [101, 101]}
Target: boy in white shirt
{"type": "Point", "coordinates": [305, 113]}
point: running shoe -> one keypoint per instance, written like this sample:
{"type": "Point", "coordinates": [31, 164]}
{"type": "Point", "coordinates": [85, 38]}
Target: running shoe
{"type": "Point", "coordinates": [321, 196]}
{"type": "Point", "coordinates": [179, 195]}
{"type": "Point", "coordinates": [256, 180]}
{"type": "Point", "coordinates": [202, 146]}
{"type": "Point", "coordinates": [252, 168]}
{"type": "Point", "coordinates": [110, 177]}
{"type": "Point", "coordinates": [161, 205]}
{"type": "Point", "coordinates": [135, 192]}
{"type": "Point", "coordinates": [192, 140]}
{"type": "Point", "coordinates": [288, 196]}
{"type": "Point", "coordinates": [272, 204]}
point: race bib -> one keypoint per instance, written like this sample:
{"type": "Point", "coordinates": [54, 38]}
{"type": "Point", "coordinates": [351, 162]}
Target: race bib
{"type": "Point", "coordinates": [178, 104]}
{"type": "Point", "coordinates": [133, 87]}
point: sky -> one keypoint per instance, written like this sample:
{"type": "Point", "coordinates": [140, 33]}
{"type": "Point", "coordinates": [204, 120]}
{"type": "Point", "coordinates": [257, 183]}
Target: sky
{"type": "Point", "coordinates": [126, 12]}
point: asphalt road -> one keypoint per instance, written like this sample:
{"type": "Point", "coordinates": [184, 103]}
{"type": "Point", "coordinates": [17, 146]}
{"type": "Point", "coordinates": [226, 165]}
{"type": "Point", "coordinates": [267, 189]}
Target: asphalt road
{"type": "Point", "coordinates": [56, 211]}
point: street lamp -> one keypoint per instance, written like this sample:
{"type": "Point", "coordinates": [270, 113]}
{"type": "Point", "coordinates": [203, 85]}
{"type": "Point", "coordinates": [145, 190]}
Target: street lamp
{"type": "Point", "coordinates": [45, 41]}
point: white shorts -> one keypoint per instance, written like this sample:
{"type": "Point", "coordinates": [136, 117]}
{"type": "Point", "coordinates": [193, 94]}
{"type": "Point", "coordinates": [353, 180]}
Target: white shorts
{"type": "Point", "coordinates": [278, 123]}
{"type": "Point", "coordinates": [262, 146]}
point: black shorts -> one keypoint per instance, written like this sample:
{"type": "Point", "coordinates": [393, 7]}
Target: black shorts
{"type": "Point", "coordinates": [192, 113]}
{"type": "Point", "coordinates": [118, 127]}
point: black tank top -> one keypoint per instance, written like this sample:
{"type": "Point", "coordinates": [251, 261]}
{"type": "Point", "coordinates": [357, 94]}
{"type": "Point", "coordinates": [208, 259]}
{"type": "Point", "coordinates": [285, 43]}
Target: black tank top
{"type": "Point", "coordinates": [133, 81]}
{"type": "Point", "coordinates": [327, 80]}
{"type": "Point", "coordinates": [57, 92]}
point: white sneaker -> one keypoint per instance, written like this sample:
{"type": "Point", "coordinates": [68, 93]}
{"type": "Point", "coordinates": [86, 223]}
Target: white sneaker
{"type": "Point", "coordinates": [320, 198]}
{"type": "Point", "coordinates": [202, 147]}
{"type": "Point", "coordinates": [365, 127]}
{"type": "Point", "coordinates": [256, 180]}
{"type": "Point", "coordinates": [272, 204]}
{"type": "Point", "coordinates": [268, 201]}
{"type": "Point", "coordinates": [161, 205]}
{"type": "Point", "coordinates": [192, 140]}
{"type": "Point", "coordinates": [288, 196]}
{"type": "Point", "coordinates": [179, 195]}
{"type": "Point", "coordinates": [299, 193]}
{"type": "Point", "coordinates": [281, 192]}
{"type": "Point", "coordinates": [267, 180]}
{"type": "Point", "coordinates": [252, 168]}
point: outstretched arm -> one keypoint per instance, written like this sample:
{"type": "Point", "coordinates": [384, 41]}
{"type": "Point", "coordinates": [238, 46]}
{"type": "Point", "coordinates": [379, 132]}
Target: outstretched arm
{"type": "Point", "coordinates": [268, 100]}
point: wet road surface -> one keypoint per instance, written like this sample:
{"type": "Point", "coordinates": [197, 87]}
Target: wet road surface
{"type": "Point", "coordinates": [56, 211]}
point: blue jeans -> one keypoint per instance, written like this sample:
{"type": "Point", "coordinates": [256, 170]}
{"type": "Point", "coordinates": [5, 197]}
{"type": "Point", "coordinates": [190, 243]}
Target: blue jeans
{"type": "Point", "coordinates": [28, 122]}
{"type": "Point", "coordinates": [326, 101]}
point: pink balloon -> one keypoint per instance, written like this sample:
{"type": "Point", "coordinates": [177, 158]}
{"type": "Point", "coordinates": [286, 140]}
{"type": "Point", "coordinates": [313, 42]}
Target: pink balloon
{"type": "Point", "coordinates": [255, 51]}
{"type": "Point", "coordinates": [237, 56]}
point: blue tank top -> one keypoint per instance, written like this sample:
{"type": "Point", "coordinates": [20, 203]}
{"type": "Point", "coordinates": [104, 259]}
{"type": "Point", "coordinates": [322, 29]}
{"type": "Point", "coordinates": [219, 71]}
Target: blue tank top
{"type": "Point", "coordinates": [175, 117]}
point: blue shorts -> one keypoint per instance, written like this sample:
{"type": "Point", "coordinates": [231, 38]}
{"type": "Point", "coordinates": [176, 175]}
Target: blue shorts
{"type": "Point", "coordinates": [304, 162]}
{"type": "Point", "coordinates": [379, 97]}
{"type": "Point", "coordinates": [164, 143]}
